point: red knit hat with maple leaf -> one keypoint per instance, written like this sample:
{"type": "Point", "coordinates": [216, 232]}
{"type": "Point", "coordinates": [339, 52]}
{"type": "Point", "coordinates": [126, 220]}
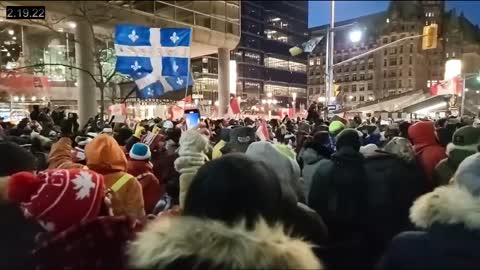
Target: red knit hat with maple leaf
{"type": "Point", "coordinates": [58, 199]}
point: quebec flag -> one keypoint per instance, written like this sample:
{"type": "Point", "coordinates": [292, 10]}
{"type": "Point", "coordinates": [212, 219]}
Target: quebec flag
{"type": "Point", "coordinates": [156, 58]}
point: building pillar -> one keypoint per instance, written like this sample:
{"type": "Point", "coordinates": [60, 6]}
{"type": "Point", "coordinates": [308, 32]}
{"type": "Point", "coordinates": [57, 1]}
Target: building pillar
{"type": "Point", "coordinates": [87, 98]}
{"type": "Point", "coordinates": [223, 81]}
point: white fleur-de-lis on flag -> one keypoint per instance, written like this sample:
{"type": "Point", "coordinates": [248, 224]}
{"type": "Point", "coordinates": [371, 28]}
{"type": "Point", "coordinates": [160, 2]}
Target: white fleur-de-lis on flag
{"type": "Point", "coordinates": [135, 66]}
{"type": "Point", "coordinates": [175, 66]}
{"type": "Point", "coordinates": [149, 91]}
{"type": "Point", "coordinates": [133, 36]}
{"type": "Point", "coordinates": [179, 81]}
{"type": "Point", "coordinates": [174, 38]}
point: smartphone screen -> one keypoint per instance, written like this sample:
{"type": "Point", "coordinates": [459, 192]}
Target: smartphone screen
{"type": "Point", "coordinates": [192, 118]}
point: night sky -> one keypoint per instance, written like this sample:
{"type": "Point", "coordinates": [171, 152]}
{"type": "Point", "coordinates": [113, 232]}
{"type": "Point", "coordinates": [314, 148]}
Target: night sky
{"type": "Point", "coordinates": [319, 11]}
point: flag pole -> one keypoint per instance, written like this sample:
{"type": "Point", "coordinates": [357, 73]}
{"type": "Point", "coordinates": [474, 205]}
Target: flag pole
{"type": "Point", "coordinates": [188, 70]}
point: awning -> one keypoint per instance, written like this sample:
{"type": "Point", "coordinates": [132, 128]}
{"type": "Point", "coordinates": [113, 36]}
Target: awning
{"type": "Point", "coordinates": [436, 103]}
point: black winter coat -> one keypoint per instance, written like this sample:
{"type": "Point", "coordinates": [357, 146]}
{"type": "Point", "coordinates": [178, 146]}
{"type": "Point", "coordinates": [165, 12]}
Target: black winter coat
{"type": "Point", "coordinates": [393, 186]}
{"type": "Point", "coordinates": [338, 194]}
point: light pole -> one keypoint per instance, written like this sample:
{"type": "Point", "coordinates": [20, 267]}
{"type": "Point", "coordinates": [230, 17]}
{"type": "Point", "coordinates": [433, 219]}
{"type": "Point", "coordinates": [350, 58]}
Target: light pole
{"type": "Point", "coordinates": [329, 55]}
{"type": "Point", "coordinates": [294, 97]}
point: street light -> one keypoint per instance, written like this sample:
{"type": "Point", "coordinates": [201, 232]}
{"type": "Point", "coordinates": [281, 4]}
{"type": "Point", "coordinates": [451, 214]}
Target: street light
{"type": "Point", "coordinates": [355, 36]}
{"type": "Point", "coordinates": [72, 25]}
{"type": "Point", "coordinates": [11, 32]}
{"type": "Point", "coordinates": [269, 94]}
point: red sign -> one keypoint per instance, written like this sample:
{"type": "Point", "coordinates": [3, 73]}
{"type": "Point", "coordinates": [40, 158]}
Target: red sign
{"type": "Point", "coordinates": [23, 83]}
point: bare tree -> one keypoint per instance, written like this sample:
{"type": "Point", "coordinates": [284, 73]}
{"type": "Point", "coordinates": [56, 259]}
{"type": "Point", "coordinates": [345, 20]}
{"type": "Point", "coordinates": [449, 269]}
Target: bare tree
{"type": "Point", "coordinates": [105, 74]}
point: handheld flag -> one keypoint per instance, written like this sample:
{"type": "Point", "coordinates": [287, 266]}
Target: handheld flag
{"type": "Point", "coordinates": [307, 46]}
{"type": "Point", "coordinates": [262, 131]}
{"type": "Point", "coordinates": [157, 59]}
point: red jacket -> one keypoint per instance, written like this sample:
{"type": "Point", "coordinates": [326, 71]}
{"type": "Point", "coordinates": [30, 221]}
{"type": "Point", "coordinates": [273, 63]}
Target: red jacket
{"type": "Point", "coordinates": [153, 189]}
{"type": "Point", "coordinates": [96, 244]}
{"type": "Point", "coordinates": [427, 149]}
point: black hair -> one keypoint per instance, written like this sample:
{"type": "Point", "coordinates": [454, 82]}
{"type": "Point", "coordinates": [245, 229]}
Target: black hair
{"type": "Point", "coordinates": [234, 188]}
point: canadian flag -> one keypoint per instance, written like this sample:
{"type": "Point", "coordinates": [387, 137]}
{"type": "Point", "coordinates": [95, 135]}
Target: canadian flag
{"type": "Point", "coordinates": [449, 87]}
{"type": "Point", "coordinates": [262, 131]}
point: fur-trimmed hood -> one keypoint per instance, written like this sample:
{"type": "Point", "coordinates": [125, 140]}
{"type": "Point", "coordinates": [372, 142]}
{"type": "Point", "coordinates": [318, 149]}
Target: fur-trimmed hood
{"type": "Point", "coordinates": [202, 241]}
{"type": "Point", "coordinates": [447, 205]}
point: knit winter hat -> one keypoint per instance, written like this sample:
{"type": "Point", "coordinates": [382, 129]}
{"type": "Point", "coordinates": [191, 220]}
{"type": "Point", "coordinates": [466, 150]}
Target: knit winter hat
{"type": "Point", "coordinates": [336, 127]}
{"type": "Point", "coordinates": [58, 199]}
{"type": "Point", "coordinates": [468, 174]}
{"type": "Point", "coordinates": [167, 124]}
{"type": "Point", "coordinates": [465, 138]}
{"type": "Point", "coordinates": [282, 161]}
{"type": "Point", "coordinates": [140, 151]}
{"type": "Point", "coordinates": [368, 149]}
{"type": "Point", "coordinates": [348, 137]}
{"type": "Point", "coordinates": [400, 147]}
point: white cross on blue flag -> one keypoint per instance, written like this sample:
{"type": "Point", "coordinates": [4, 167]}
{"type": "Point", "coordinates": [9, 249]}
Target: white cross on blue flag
{"type": "Point", "coordinates": [156, 58]}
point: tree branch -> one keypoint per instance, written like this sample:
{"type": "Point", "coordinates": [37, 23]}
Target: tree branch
{"type": "Point", "coordinates": [63, 65]}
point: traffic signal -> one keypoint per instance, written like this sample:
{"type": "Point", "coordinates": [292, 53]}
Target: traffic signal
{"type": "Point", "coordinates": [430, 36]}
{"type": "Point", "coordinates": [336, 90]}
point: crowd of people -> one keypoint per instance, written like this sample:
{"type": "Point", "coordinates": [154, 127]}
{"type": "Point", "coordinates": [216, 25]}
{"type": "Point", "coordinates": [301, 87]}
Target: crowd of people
{"type": "Point", "coordinates": [239, 194]}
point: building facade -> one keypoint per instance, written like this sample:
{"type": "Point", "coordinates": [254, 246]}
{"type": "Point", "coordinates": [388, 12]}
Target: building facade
{"type": "Point", "coordinates": [400, 68]}
{"type": "Point", "coordinates": [215, 24]}
{"type": "Point", "coordinates": [262, 60]}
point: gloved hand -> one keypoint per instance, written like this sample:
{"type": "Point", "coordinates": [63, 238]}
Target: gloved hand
{"type": "Point", "coordinates": [139, 132]}
{"type": "Point", "coordinates": [156, 129]}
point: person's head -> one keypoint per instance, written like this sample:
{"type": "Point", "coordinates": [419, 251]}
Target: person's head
{"type": "Point", "coordinates": [280, 159]}
{"type": "Point", "coordinates": [173, 134]}
{"type": "Point", "coordinates": [104, 155]}
{"type": "Point", "coordinates": [123, 135]}
{"type": "Point", "coordinates": [36, 108]}
{"type": "Point", "coordinates": [401, 147]}
{"type": "Point", "coordinates": [466, 141]}
{"type": "Point", "coordinates": [58, 199]}
{"type": "Point", "coordinates": [15, 159]}
{"type": "Point", "coordinates": [336, 127]}
{"type": "Point", "coordinates": [348, 138]}
{"type": "Point", "coordinates": [140, 151]}
{"type": "Point", "coordinates": [234, 188]}
{"type": "Point", "coordinates": [240, 139]}
{"type": "Point", "coordinates": [423, 134]}
{"type": "Point", "coordinates": [193, 243]}
{"type": "Point", "coordinates": [468, 175]}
